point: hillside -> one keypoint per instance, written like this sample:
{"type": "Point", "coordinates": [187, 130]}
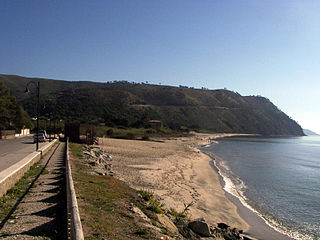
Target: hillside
{"type": "Point", "coordinates": [131, 104]}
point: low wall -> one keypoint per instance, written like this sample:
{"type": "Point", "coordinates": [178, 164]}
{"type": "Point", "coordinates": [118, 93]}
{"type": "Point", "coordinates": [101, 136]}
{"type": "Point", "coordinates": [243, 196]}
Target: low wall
{"type": "Point", "coordinates": [24, 132]}
{"type": "Point", "coordinates": [75, 232]}
{"type": "Point", "coordinates": [10, 176]}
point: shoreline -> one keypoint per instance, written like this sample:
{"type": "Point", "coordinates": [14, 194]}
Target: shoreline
{"type": "Point", "coordinates": [258, 227]}
{"type": "Point", "coordinates": [179, 173]}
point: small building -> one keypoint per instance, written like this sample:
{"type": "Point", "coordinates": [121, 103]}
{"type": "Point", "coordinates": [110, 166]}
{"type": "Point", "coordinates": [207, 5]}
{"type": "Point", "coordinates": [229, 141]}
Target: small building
{"type": "Point", "coordinates": [80, 133]}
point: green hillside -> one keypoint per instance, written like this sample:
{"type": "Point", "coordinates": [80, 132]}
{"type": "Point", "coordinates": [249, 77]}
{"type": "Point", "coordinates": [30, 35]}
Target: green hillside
{"type": "Point", "coordinates": [133, 105]}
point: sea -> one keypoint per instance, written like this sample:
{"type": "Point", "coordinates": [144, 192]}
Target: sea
{"type": "Point", "coordinates": [276, 177]}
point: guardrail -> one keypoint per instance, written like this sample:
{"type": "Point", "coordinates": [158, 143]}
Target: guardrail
{"type": "Point", "coordinates": [10, 176]}
{"type": "Point", "coordinates": [75, 231]}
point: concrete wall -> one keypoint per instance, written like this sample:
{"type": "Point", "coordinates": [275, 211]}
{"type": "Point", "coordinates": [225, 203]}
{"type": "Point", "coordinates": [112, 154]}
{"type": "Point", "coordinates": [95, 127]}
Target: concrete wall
{"type": "Point", "coordinates": [24, 132]}
{"type": "Point", "coordinates": [76, 232]}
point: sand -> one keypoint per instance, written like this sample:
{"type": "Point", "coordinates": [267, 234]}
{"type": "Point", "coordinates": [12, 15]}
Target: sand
{"type": "Point", "coordinates": [177, 172]}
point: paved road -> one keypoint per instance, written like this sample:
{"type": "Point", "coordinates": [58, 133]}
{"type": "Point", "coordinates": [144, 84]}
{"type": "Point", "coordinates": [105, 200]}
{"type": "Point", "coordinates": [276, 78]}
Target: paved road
{"type": "Point", "coordinates": [13, 150]}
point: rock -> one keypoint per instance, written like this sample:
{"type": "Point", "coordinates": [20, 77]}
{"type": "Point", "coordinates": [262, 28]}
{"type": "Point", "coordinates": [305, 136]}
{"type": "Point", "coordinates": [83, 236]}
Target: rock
{"type": "Point", "coordinates": [167, 223]}
{"type": "Point", "coordinates": [185, 231]}
{"type": "Point", "coordinates": [223, 226]}
{"type": "Point", "coordinates": [93, 163]}
{"type": "Point", "coordinates": [137, 211]}
{"type": "Point", "coordinates": [244, 237]}
{"type": "Point", "coordinates": [200, 227]}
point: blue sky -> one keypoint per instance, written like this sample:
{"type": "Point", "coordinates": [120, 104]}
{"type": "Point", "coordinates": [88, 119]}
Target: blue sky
{"type": "Point", "coordinates": [269, 48]}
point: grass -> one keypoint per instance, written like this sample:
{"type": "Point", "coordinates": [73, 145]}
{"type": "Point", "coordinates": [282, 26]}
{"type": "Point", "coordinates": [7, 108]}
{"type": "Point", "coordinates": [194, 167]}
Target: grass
{"type": "Point", "coordinates": [183, 214]}
{"type": "Point", "coordinates": [146, 195]}
{"type": "Point", "coordinates": [133, 133]}
{"type": "Point", "coordinates": [104, 203]}
{"type": "Point", "coordinates": [13, 194]}
{"type": "Point", "coordinates": [76, 149]}
{"type": "Point", "coordinates": [154, 204]}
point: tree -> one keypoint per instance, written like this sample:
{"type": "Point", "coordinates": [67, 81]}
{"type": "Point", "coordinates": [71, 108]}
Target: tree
{"type": "Point", "coordinates": [12, 116]}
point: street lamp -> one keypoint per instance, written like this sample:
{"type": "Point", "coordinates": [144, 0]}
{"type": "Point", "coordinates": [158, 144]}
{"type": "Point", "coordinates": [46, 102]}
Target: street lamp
{"type": "Point", "coordinates": [38, 107]}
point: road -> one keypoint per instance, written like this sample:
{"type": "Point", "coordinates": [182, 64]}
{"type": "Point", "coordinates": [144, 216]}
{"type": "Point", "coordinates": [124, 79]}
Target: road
{"type": "Point", "coordinates": [13, 150]}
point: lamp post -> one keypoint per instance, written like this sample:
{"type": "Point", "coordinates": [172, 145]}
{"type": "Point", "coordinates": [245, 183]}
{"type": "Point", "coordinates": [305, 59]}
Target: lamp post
{"type": "Point", "coordinates": [38, 106]}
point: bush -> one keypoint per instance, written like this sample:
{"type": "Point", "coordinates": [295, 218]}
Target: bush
{"type": "Point", "coordinates": [109, 132]}
{"type": "Point", "coordinates": [154, 204]}
{"type": "Point", "coordinates": [182, 214]}
{"type": "Point", "coordinates": [146, 195]}
{"type": "Point", "coordinates": [130, 136]}
{"type": "Point", "coordinates": [145, 138]}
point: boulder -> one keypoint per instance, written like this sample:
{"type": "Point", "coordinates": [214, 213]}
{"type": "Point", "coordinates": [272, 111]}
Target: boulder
{"type": "Point", "coordinates": [223, 226]}
{"type": "Point", "coordinates": [167, 223]}
{"type": "Point", "coordinates": [185, 231]}
{"type": "Point", "coordinates": [200, 227]}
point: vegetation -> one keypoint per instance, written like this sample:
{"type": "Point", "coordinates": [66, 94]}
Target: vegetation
{"type": "Point", "coordinates": [183, 214]}
{"type": "Point", "coordinates": [76, 149]}
{"type": "Point", "coordinates": [104, 204]}
{"type": "Point", "coordinates": [154, 204]}
{"type": "Point", "coordinates": [18, 190]}
{"type": "Point", "coordinates": [12, 115]}
{"type": "Point", "coordinates": [130, 105]}
{"type": "Point", "coordinates": [133, 133]}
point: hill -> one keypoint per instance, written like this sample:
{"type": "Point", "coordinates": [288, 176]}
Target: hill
{"type": "Point", "coordinates": [310, 133]}
{"type": "Point", "coordinates": [132, 105]}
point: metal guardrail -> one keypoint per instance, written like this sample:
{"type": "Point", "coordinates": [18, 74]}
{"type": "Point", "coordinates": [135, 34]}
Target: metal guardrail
{"type": "Point", "coordinates": [75, 228]}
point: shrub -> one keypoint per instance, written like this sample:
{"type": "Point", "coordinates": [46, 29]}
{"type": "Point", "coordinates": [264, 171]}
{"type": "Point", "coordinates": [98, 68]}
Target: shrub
{"type": "Point", "coordinates": [183, 214]}
{"type": "Point", "coordinates": [145, 138]}
{"type": "Point", "coordinates": [154, 204]}
{"type": "Point", "coordinates": [130, 136]}
{"type": "Point", "coordinates": [146, 195]}
{"type": "Point", "coordinates": [109, 132]}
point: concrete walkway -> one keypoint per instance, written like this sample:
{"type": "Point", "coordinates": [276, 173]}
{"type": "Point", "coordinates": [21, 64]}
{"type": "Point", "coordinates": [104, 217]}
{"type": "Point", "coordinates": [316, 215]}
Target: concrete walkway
{"type": "Point", "coordinates": [13, 150]}
{"type": "Point", "coordinates": [42, 213]}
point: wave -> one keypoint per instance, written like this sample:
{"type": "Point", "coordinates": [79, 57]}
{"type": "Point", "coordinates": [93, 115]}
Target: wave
{"type": "Point", "coordinates": [237, 188]}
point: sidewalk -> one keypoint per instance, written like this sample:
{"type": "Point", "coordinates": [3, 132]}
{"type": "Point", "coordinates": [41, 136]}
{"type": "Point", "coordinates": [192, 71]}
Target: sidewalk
{"type": "Point", "coordinates": [42, 213]}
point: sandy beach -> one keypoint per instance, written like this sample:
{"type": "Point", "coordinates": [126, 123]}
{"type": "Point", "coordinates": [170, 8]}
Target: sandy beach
{"type": "Point", "coordinates": [176, 171]}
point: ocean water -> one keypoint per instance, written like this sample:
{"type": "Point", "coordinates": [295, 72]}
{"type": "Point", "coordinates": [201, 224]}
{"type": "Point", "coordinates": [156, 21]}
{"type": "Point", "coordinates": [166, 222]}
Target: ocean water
{"type": "Point", "coordinates": [279, 178]}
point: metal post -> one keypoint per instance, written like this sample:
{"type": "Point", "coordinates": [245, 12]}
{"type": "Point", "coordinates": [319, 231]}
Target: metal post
{"type": "Point", "coordinates": [38, 108]}
{"type": "Point", "coordinates": [38, 113]}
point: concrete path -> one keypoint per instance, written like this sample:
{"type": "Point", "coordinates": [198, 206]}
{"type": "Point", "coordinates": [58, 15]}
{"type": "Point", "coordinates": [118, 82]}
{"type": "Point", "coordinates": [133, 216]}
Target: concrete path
{"type": "Point", "coordinates": [13, 150]}
{"type": "Point", "coordinates": [42, 213]}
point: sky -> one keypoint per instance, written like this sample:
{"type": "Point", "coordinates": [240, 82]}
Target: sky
{"type": "Point", "coordinates": [253, 47]}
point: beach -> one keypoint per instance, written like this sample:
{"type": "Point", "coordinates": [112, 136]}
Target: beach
{"type": "Point", "coordinates": [179, 173]}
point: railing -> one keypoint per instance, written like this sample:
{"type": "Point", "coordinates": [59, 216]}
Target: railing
{"type": "Point", "coordinates": [74, 223]}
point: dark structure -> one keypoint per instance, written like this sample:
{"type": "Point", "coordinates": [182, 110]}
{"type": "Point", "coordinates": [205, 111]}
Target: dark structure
{"type": "Point", "coordinates": [80, 133]}
{"type": "Point", "coordinates": [72, 131]}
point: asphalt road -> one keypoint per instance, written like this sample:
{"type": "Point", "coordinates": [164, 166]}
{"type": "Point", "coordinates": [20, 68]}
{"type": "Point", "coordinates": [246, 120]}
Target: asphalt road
{"type": "Point", "coordinates": [13, 150]}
